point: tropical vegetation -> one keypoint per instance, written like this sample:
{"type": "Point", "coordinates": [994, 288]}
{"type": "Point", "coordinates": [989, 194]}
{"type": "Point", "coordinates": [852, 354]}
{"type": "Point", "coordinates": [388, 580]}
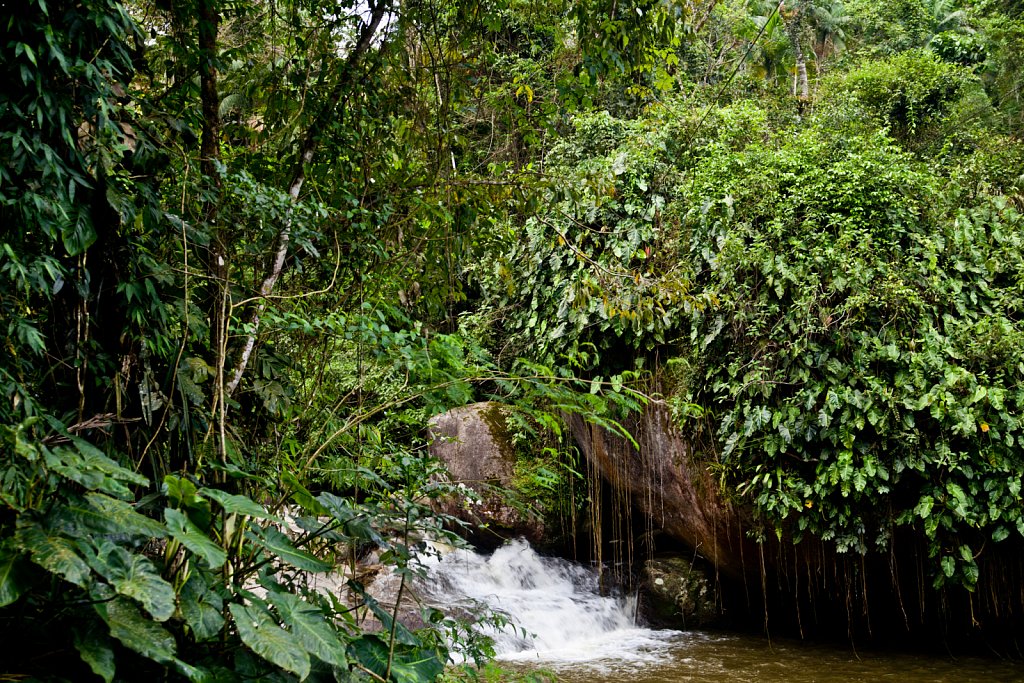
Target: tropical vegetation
{"type": "Point", "coordinates": [250, 248]}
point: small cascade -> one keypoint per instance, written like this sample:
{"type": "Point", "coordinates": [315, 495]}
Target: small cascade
{"type": "Point", "coordinates": [556, 612]}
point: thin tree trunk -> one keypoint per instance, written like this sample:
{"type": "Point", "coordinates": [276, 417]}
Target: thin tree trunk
{"type": "Point", "coordinates": [209, 25]}
{"type": "Point", "coordinates": [698, 25]}
{"type": "Point", "coordinates": [210, 154]}
{"type": "Point", "coordinates": [801, 87]}
{"type": "Point", "coordinates": [310, 143]}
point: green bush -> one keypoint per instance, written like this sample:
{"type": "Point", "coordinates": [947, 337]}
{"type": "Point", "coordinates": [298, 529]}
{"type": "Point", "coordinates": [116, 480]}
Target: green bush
{"type": "Point", "coordinates": [863, 363]}
{"type": "Point", "coordinates": [910, 93]}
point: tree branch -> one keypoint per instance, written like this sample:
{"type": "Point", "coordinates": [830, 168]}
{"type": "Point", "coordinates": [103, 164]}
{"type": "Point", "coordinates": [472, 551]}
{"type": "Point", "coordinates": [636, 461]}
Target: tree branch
{"type": "Point", "coordinates": [307, 152]}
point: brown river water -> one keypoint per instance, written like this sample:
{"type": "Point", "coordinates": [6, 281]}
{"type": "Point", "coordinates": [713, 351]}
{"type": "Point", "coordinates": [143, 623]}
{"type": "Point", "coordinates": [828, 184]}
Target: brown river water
{"type": "Point", "coordinates": [716, 658]}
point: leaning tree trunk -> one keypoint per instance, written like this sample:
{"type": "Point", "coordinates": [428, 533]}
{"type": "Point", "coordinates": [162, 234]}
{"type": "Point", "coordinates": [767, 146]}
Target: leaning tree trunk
{"type": "Point", "coordinates": [307, 151]}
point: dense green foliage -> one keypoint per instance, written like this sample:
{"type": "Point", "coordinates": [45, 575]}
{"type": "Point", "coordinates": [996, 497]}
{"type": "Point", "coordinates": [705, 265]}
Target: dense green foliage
{"type": "Point", "coordinates": [584, 270]}
{"type": "Point", "coordinates": [232, 235]}
{"type": "Point", "coordinates": [250, 248]}
{"type": "Point", "coordinates": [836, 289]}
{"type": "Point", "coordinates": [866, 344]}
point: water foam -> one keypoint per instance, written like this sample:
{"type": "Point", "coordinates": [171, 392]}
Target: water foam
{"type": "Point", "coordinates": [557, 613]}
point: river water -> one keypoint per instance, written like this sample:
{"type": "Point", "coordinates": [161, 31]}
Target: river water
{"type": "Point", "coordinates": [563, 625]}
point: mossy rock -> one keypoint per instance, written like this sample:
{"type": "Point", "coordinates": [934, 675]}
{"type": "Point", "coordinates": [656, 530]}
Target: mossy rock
{"type": "Point", "coordinates": [676, 592]}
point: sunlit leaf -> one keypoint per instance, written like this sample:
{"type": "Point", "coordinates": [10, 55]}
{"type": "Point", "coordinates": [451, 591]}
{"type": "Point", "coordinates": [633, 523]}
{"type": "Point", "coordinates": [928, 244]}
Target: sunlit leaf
{"type": "Point", "coordinates": [123, 516]}
{"type": "Point", "coordinates": [236, 504]}
{"type": "Point", "coordinates": [54, 553]}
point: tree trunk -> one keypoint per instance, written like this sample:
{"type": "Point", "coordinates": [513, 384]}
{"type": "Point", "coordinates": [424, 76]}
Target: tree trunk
{"type": "Point", "coordinates": [216, 255]}
{"type": "Point", "coordinates": [801, 88]}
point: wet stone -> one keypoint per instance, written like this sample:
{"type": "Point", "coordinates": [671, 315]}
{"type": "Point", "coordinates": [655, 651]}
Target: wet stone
{"type": "Point", "coordinates": [677, 592]}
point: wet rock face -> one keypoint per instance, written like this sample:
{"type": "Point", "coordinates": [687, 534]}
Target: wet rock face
{"type": "Point", "coordinates": [668, 482]}
{"type": "Point", "coordinates": [474, 444]}
{"type": "Point", "coordinates": [677, 593]}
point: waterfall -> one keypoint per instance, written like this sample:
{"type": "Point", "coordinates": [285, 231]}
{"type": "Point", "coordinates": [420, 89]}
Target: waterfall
{"type": "Point", "coordinates": [556, 612]}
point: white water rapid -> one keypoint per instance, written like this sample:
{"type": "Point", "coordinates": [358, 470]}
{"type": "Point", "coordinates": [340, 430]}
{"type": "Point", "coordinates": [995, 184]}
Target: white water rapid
{"type": "Point", "coordinates": [559, 616]}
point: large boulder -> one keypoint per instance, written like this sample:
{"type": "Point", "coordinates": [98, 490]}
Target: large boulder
{"type": "Point", "coordinates": [474, 444]}
{"type": "Point", "coordinates": [801, 585]}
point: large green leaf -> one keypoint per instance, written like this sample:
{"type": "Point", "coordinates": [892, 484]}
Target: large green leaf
{"type": "Point", "coordinates": [135, 577]}
{"type": "Point", "coordinates": [79, 519]}
{"type": "Point", "coordinates": [53, 553]}
{"type": "Point", "coordinates": [199, 674]}
{"type": "Point", "coordinates": [184, 495]}
{"type": "Point", "coordinates": [192, 537]}
{"type": "Point", "coordinates": [280, 546]}
{"type": "Point", "coordinates": [258, 630]}
{"type": "Point", "coordinates": [10, 575]}
{"type": "Point", "coordinates": [137, 632]}
{"type": "Point", "coordinates": [240, 505]}
{"type": "Point", "coordinates": [314, 525]}
{"type": "Point", "coordinates": [201, 607]}
{"type": "Point", "coordinates": [123, 517]}
{"type": "Point", "coordinates": [355, 522]}
{"type": "Point", "coordinates": [94, 648]}
{"type": "Point", "coordinates": [371, 652]}
{"type": "Point", "coordinates": [77, 236]}
{"type": "Point", "coordinates": [416, 665]}
{"type": "Point", "coordinates": [408, 664]}
{"type": "Point", "coordinates": [87, 465]}
{"type": "Point", "coordinates": [302, 495]}
{"type": "Point", "coordinates": [311, 627]}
